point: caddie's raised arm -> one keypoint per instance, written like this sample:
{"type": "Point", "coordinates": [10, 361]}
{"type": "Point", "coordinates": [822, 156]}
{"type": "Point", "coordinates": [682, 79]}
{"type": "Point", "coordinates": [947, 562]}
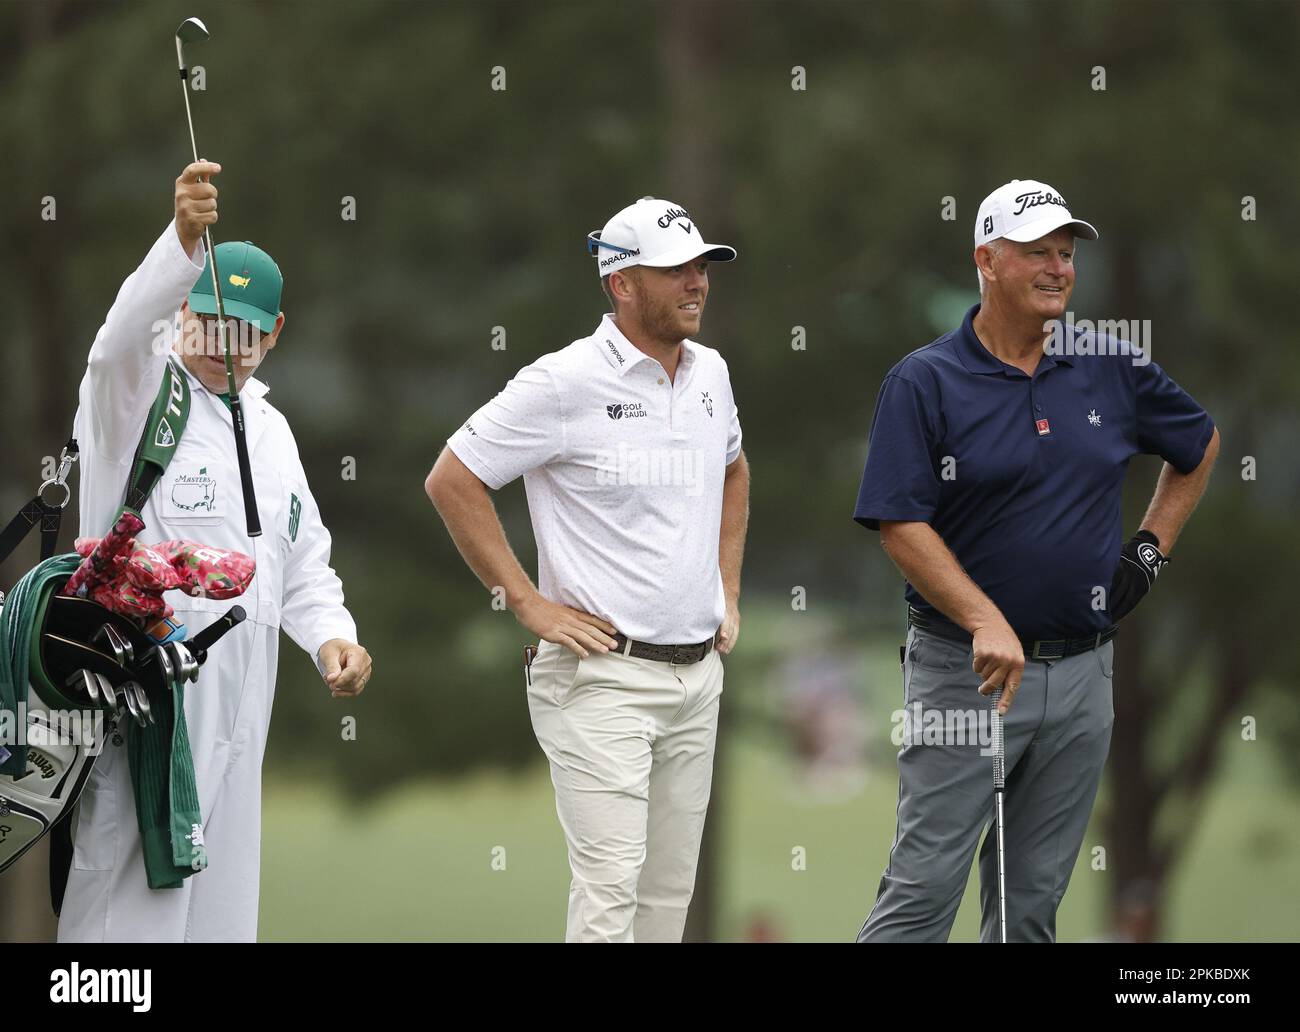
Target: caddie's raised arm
{"type": "Point", "coordinates": [126, 361]}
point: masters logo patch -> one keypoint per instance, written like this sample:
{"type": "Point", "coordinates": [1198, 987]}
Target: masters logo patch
{"type": "Point", "coordinates": [192, 493]}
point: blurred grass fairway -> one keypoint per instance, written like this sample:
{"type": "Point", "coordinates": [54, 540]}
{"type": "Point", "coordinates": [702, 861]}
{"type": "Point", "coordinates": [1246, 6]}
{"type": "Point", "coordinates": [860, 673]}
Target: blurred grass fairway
{"type": "Point", "coordinates": [420, 864]}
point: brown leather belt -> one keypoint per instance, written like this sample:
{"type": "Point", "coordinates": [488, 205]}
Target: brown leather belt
{"type": "Point", "coordinates": [680, 654]}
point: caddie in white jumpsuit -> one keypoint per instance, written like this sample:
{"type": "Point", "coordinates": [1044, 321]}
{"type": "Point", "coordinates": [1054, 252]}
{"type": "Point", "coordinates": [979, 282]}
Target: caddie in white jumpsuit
{"type": "Point", "coordinates": [629, 445]}
{"type": "Point", "coordinates": [199, 498]}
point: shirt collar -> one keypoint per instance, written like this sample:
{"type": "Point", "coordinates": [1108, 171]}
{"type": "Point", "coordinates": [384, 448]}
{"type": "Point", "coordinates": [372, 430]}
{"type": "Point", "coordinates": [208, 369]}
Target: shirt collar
{"type": "Point", "coordinates": [622, 354]}
{"type": "Point", "coordinates": [978, 359]}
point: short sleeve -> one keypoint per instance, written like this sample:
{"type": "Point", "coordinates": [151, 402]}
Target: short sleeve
{"type": "Point", "coordinates": [1170, 422]}
{"type": "Point", "coordinates": [900, 480]}
{"type": "Point", "coordinates": [734, 435]}
{"type": "Point", "coordinates": [518, 430]}
{"type": "Point", "coordinates": [733, 429]}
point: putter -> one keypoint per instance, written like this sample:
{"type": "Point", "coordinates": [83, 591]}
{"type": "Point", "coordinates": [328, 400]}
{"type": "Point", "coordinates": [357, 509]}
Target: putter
{"type": "Point", "coordinates": [999, 789]}
{"type": "Point", "coordinates": [188, 31]}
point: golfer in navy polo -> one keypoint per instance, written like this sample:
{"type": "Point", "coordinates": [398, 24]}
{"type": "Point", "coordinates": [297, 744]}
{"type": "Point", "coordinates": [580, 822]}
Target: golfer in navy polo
{"type": "Point", "coordinates": [995, 475]}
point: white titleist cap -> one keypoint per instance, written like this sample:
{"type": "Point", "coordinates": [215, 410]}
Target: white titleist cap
{"type": "Point", "coordinates": [655, 233]}
{"type": "Point", "coordinates": [1024, 210]}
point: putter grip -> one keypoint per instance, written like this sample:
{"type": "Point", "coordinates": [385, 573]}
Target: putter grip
{"type": "Point", "coordinates": [215, 631]}
{"type": "Point", "coordinates": [999, 745]}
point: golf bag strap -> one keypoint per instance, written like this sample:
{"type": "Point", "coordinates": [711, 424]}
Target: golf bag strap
{"type": "Point", "coordinates": [32, 513]}
{"type": "Point", "coordinates": [60, 858]}
{"type": "Point", "coordinates": [40, 512]}
{"type": "Point", "coordinates": [162, 432]}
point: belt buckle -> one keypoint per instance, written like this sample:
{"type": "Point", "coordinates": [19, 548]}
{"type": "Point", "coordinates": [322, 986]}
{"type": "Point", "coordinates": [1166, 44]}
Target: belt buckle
{"type": "Point", "coordinates": [1037, 646]}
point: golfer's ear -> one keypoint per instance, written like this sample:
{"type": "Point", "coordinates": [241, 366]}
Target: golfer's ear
{"type": "Point", "coordinates": [274, 337]}
{"type": "Point", "coordinates": [984, 261]}
{"type": "Point", "coordinates": [620, 285]}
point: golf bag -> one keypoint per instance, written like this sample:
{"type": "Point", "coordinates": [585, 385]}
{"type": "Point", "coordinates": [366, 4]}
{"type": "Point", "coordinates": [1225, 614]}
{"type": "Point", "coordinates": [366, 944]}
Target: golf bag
{"type": "Point", "coordinates": [74, 673]}
{"type": "Point", "coordinates": [58, 757]}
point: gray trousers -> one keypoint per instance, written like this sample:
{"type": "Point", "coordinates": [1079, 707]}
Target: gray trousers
{"type": "Point", "coordinates": [1057, 734]}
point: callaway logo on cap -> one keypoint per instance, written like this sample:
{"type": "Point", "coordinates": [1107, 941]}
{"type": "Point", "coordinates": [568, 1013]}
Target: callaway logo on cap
{"type": "Point", "coordinates": [651, 232]}
{"type": "Point", "coordinates": [1024, 210]}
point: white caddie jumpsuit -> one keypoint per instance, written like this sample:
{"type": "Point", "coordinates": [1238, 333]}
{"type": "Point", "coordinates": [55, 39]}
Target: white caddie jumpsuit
{"type": "Point", "coordinates": [229, 710]}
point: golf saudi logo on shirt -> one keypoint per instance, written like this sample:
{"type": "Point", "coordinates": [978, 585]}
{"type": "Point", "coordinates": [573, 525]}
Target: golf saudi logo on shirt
{"type": "Point", "coordinates": [295, 514]}
{"type": "Point", "coordinates": [194, 492]}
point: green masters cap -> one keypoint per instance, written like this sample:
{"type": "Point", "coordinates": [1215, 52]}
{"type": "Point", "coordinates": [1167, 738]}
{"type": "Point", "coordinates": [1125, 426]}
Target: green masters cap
{"type": "Point", "coordinates": [250, 285]}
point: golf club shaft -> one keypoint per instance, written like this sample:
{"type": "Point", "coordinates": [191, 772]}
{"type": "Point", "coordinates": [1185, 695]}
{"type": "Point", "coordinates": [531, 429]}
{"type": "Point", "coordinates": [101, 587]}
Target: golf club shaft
{"type": "Point", "coordinates": [999, 790]}
{"type": "Point", "coordinates": [251, 518]}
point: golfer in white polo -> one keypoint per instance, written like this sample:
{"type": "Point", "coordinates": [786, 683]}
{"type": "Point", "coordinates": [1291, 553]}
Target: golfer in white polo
{"type": "Point", "coordinates": [629, 445]}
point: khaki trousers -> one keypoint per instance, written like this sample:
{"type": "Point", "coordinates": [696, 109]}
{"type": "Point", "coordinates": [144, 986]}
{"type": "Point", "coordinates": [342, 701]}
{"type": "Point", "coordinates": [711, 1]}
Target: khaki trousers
{"type": "Point", "coordinates": [630, 744]}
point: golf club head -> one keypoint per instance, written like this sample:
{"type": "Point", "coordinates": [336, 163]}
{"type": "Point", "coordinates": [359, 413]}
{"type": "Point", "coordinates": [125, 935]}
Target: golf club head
{"type": "Point", "coordinates": [183, 664]}
{"type": "Point", "coordinates": [88, 683]}
{"type": "Point", "coordinates": [191, 29]}
{"type": "Point", "coordinates": [142, 700]}
{"type": "Point", "coordinates": [188, 31]}
{"type": "Point", "coordinates": [128, 698]}
{"type": "Point", "coordinates": [117, 644]}
{"type": "Point", "coordinates": [108, 693]}
{"type": "Point", "coordinates": [165, 663]}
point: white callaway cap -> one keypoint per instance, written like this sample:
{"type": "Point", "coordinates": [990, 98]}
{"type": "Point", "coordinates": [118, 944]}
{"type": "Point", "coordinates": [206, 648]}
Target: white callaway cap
{"type": "Point", "coordinates": [1024, 210]}
{"type": "Point", "coordinates": [655, 233]}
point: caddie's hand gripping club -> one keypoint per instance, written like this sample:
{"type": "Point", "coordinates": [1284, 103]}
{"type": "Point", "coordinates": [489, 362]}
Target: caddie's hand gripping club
{"type": "Point", "coordinates": [188, 30]}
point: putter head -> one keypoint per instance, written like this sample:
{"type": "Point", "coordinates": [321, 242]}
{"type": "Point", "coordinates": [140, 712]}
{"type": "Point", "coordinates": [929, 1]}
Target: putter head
{"type": "Point", "coordinates": [187, 32]}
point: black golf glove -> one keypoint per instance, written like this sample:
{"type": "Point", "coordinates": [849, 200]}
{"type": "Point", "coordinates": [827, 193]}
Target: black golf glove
{"type": "Point", "coordinates": [1139, 565]}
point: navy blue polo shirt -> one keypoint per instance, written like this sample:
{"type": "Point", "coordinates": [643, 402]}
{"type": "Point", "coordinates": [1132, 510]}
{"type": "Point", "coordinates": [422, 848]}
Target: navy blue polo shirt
{"type": "Point", "coordinates": [1023, 477]}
